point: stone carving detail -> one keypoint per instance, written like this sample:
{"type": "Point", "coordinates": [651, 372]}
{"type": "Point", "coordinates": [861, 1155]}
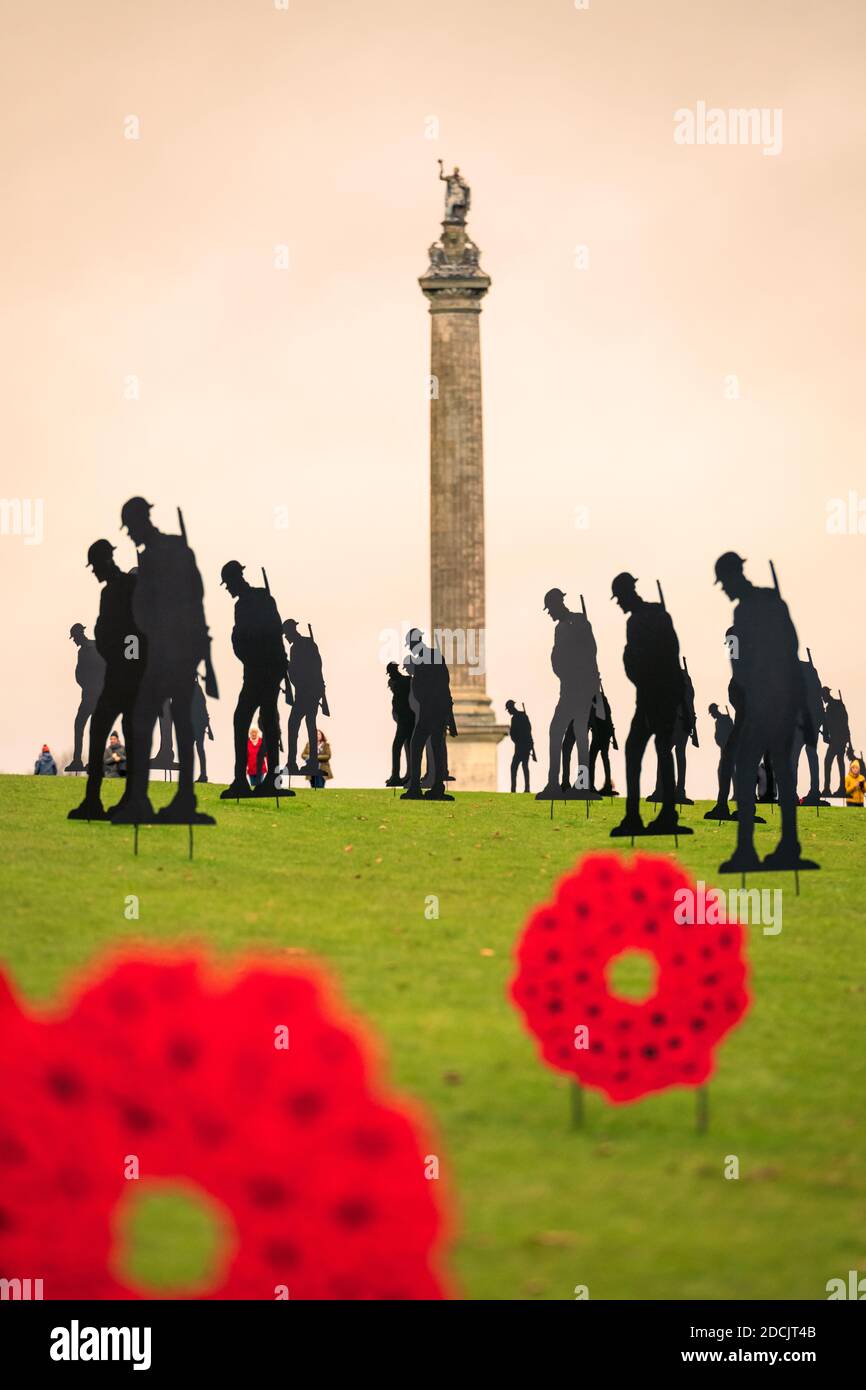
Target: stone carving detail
{"type": "Point", "coordinates": [454, 256]}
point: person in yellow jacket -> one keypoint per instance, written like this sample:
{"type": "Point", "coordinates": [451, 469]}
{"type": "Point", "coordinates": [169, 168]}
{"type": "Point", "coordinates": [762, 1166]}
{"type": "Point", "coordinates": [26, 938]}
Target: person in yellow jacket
{"type": "Point", "coordinates": [855, 785]}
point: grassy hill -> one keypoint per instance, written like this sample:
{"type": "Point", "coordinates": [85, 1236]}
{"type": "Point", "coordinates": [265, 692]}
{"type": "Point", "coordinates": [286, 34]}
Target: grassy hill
{"type": "Point", "coordinates": [634, 1205]}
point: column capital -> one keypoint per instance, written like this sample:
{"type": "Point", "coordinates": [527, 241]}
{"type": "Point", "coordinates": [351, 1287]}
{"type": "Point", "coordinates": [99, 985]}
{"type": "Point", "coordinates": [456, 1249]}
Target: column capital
{"type": "Point", "coordinates": [454, 280]}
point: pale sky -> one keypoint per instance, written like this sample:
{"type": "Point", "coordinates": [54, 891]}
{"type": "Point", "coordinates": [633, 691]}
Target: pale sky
{"type": "Point", "coordinates": [606, 388]}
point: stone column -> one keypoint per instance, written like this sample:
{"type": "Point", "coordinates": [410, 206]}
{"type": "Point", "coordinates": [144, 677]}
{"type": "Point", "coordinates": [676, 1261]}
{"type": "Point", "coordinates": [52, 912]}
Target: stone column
{"type": "Point", "coordinates": [455, 285]}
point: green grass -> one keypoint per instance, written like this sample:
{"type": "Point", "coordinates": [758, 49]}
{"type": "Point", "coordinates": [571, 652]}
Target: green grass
{"type": "Point", "coordinates": [636, 1205]}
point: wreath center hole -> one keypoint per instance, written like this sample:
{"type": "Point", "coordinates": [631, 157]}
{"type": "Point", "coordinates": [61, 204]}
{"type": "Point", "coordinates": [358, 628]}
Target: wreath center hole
{"type": "Point", "coordinates": [173, 1238]}
{"type": "Point", "coordinates": [633, 975]}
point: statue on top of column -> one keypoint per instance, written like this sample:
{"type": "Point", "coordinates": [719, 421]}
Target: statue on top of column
{"type": "Point", "coordinates": [457, 195]}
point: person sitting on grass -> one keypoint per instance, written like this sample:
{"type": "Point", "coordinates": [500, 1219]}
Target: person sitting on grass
{"type": "Point", "coordinates": [855, 785]}
{"type": "Point", "coordinates": [114, 761]}
{"type": "Point", "coordinates": [45, 764]}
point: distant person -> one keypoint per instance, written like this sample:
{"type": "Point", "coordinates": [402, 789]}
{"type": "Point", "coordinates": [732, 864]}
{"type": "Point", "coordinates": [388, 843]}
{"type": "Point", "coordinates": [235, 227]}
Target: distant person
{"type": "Point", "coordinates": [45, 766]}
{"type": "Point", "coordinates": [837, 736]}
{"type": "Point", "coordinates": [256, 759]}
{"type": "Point", "coordinates": [855, 785]}
{"type": "Point", "coordinates": [520, 733]}
{"type": "Point", "coordinates": [403, 715]}
{"type": "Point", "coordinates": [574, 662]}
{"type": "Point", "coordinates": [114, 759]}
{"type": "Point", "coordinates": [89, 676]}
{"type": "Point", "coordinates": [323, 754]}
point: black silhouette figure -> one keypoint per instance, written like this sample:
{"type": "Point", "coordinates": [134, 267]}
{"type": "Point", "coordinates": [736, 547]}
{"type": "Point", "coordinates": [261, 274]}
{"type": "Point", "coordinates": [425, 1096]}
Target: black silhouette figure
{"type": "Point", "coordinates": [89, 676]}
{"type": "Point", "coordinates": [257, 641]}
{"type": "Point", "coordinates": [837, 736]}
{"type": "Point", "coordinates": [766, 787]}
{"type": "Point", "coordinates": [601, 735]}
{"type": "Point", "coordinates": [431, 690]}
{"type": "Point", "coordinates": [806, 735]}
{"type": "Point", "coordinates": [520, 733]}
{"type": "Point", "coordinates": [200, 726]}
{"type": "Point", "coordinates": [652, 664]}
{"type": "Point", "coordinates": [400, 685]}
{"type": "Point", "coordinates": [308, 686]}
{"type": "Point", "coordinates": [726, 744]}
{"type": "Point", "coordinates": [163, 759]}
{"type": "Point", "coordinates": [685, 729]}
{"type": "Point", "coordinates": [122, 651]}
{"type": "Point", "coordinates": [573, 659]}
{"type": "Point", "coordinates": [771, 700]}
{"type": "Point", "coordinates": [168, 607]}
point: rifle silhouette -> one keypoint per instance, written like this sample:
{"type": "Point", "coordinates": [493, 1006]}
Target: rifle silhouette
{"type": "Point", "coordinates": [694, 719]}
{"type": "Point", "coordinates": [324, 701]}
{"type": "Point", "coordinates": [286, 688]}
{"type": "Point", "coordinates": [532, 748]}
{"type": "Point", "coordinates": [210, 681]}
{"type": "Point", "coordinates": [694, 732]}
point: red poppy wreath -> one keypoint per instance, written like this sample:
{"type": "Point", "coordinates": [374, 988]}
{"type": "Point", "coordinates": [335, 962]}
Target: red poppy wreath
{"type": "Point", "coordinates": [624, 1048]}
{"type": "Point", "coordinates": [246, 1082]}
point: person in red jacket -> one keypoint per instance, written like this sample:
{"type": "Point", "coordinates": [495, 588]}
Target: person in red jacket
{"type": "Point", "coordinates": [257, 761]}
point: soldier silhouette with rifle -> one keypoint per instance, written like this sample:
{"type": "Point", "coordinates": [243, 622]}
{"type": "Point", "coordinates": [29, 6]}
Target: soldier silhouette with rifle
{"type": "Point", "coordinates": [120, 646]}
{"type": "Point", "coordinates": [652, 664]}
{"type": "Point", "coordinates": [806, 735]}
{"type": "Point", "coordinates": [308, 692]}
{"type": "Point", "coordinates": [837, 736]}
{"type": "Point", "coordinates": [771, 700]}
{"type": "Point", "coordinates": [168, 608]}
{"type": "Point", "coordinates": [574, 662]}
{"type": "Point", "coordinates": [520, 733]}
{"type": "Point", "coordinates": [601, 736]}
{"type": "Point", "coordinates": [257, 641]}
{"type": "Point", "coordinates": [431, 689]}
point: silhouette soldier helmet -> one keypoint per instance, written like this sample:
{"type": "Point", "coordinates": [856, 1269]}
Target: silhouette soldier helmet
{"type": "Point", "coordinates": [77, 630]}
{"type": "Point", "coordinates": [232, 570]}
{"type": "Point", "coordinates": [136, 509]}
{"type": "Point", "coordinates": [622, 585]}
{"type": "Point", "coordinates": [825, 691]}
{"type": "Point", "coordinates": [713, 710]}
{"type": "Point", "coordinates": [728, 566]}
{"type": "Point", "coordinates": [414, 636]}
{"type": "Point", "coordinates": [100, 552]}
{"type": "Point", "coordinates": [392, 668]}
{"type": "Point", "coordinates": [552, 596]}
{"type": "Point", "coordinates": [510, 706]}
{"type": "Point", "coordinates": [290, 627]}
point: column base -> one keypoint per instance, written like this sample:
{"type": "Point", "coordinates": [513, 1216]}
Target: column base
{"type": "Point", "coordinates": [472, 759]}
